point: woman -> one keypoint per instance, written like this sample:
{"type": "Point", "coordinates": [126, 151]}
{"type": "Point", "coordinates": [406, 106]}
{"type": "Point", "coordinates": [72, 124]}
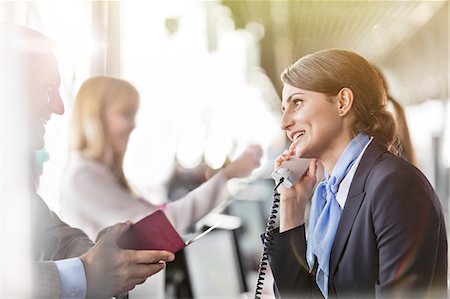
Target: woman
{"type": "Point", "coordinates": [376, 226]}
{"type": "Point", "coordinates": [95, 192]}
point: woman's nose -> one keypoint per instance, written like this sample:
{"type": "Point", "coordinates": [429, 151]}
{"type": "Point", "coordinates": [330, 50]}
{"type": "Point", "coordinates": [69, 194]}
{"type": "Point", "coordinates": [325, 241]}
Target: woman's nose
{"type": "Point", "coordinates": [286, 122]}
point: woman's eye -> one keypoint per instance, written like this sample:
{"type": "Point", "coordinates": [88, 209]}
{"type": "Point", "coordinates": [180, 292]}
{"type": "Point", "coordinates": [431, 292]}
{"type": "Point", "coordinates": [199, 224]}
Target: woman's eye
{"type": "Point", "coordinates": [298, 102]}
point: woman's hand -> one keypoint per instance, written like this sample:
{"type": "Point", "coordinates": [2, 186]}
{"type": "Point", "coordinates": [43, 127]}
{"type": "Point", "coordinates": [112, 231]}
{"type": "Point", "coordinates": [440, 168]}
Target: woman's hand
{"type": "Point", "coordinates": [245, 163]}
{"type": "Point", "coordinates": [293, 200]}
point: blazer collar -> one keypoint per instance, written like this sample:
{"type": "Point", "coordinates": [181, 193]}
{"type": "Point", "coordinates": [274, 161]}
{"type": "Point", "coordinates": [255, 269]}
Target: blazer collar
{"type": "Point", "coordinates": [354, 199]}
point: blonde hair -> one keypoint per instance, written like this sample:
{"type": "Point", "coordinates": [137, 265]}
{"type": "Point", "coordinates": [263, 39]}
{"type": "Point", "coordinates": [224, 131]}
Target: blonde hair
{"type": "Point", "coordinates": [89, 136]}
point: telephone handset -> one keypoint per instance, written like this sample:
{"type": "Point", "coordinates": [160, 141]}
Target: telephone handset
{"type": "Point", "coordinates": [287, 174]}
{"type": "Point", "coordinates": [291, 170]}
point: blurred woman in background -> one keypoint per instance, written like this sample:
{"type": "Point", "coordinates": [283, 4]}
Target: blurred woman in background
{"type": "Point", "coordinates": [403, 136]}
{"type": "Point", "coordinates": [95, 192]}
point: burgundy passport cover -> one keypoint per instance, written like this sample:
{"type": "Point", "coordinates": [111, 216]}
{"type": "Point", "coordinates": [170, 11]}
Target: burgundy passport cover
{"type": "Point", "coordinates": [154, 232]}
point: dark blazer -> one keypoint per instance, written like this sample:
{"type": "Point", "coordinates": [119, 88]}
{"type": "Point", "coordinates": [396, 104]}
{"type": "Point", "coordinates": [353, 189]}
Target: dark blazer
{"type": "Point", "coordinates": [391, 239]}
{"type": "Point", "coordinates": [52, 240]}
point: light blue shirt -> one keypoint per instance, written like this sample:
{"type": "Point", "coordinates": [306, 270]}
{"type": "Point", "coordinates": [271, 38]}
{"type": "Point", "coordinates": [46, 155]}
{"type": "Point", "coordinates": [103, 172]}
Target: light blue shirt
{"type": "Point", "coordinates": [72, 277]}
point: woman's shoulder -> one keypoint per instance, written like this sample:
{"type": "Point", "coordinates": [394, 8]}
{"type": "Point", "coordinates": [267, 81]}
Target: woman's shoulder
{"type": "Point", "coordinates": [377, 163]}
{"type": "Point", "coordinates": [390, 164]}
{"type": "Point", "coordinates": [88, 178]}
{"type": "Point", "coordinates": [79, 163]}
{"type": "Point", "coordinates": [80, 168]}
{"type": "Point", "coordinates": [392, 171]}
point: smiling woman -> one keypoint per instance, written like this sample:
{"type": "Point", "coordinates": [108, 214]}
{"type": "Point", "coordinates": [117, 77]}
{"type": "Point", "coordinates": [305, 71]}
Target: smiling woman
{"type": "Point", "coordinates": [372, 207]}
{"type": "Point", "coordinates": [104, 114]}
{"type": "Point", "coordinates": [334, 95]}
{"type": "Point", "coordinates": [318, 120]}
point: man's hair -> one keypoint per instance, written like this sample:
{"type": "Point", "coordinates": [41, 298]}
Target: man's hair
{"type": "Point", "coordinates": [22, 39]}
{"type": "Point", "coordinates": [21, 48]}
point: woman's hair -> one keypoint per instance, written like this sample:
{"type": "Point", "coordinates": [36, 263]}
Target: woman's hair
{"type": "Point", "coordinates": [404, 139]}
{"type": "Point", "coordinates": [406, 149]}
{"type": "Point", "coordinates": [89, 133]}
{"type": "Point", "coordinates": [328, 71]}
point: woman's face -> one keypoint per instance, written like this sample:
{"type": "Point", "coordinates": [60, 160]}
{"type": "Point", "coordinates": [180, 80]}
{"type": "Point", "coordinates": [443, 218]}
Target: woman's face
{"type": "Point", "coordinates": [120, 121]}
{"type": "Point", "coordinates": [312, 121]}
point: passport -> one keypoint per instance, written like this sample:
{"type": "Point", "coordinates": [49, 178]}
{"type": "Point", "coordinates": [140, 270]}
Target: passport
{"type": "Point", "coordinates": [153, 232]}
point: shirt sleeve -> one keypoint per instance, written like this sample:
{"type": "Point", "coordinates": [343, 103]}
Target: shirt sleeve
{"type": "Point", "coordinates": [73, 278]}
{"type": "Point", "coordinates": [197, 203]}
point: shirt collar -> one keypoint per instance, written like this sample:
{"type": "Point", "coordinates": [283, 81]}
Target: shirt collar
{"type": "Point", "coordinates": [345, 184]}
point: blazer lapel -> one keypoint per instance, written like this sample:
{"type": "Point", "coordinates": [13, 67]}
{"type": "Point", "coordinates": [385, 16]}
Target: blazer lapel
{"type": "Point", "coordinates": [353, 203]}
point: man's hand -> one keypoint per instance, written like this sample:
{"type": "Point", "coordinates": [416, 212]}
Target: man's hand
{"type": "Point", "coordinates": [111, 270]}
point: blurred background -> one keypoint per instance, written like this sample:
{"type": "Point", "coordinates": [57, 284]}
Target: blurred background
{"type": "Point", "coordinates": [208, 75]}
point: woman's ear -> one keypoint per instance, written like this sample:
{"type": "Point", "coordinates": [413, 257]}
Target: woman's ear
{"type": "Point", "coordinates": [344, 101]}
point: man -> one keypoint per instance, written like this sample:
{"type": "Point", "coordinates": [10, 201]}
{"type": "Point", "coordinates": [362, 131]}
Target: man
{"type": "Point", "coordinates": [67, 264]}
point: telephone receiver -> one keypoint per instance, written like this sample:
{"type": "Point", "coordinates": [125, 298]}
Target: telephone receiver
{"type": "Point", "coordinates": [291, 170]}
{"type": "Point", "coordinates": [287, 174]}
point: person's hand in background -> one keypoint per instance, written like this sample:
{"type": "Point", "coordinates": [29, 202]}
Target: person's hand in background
{"type": "Point", "coordinates": [111, 270]}
{"type": "Point", "coordinates": [245, 163]}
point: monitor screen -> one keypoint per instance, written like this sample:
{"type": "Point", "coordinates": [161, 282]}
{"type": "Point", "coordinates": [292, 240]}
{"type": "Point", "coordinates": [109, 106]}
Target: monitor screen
{"type": "Point", "coordinates": [213, 266]}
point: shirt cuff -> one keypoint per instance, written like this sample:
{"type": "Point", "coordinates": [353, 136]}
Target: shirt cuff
{"type": "Point", "coordinates": [73, 278]}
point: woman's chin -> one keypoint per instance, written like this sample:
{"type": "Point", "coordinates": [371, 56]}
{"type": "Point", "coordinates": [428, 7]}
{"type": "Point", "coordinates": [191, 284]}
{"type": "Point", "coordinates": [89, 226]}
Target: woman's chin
{"type": "Point", "coordinates": [300, 152]}
{"type": "Point", "coordinates": [303, 154]}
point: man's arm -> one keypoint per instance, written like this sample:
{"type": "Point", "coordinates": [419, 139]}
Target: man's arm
{"type": "Point", "coordinates": [54, 240]}
{"type": "Point", "coordinates": [109, 270]}
{"type": "Point", "coordinates": [46, 282]}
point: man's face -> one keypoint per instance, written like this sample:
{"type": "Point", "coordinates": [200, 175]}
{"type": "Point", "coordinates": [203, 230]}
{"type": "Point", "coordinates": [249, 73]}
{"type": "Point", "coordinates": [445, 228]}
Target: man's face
{"type": "Point", "coordinates": [44, 81]}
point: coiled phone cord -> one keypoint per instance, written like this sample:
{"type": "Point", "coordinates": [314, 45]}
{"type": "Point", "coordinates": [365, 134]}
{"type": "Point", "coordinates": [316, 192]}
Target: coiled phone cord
{"type": "Point", "coordinates": [267, 241]}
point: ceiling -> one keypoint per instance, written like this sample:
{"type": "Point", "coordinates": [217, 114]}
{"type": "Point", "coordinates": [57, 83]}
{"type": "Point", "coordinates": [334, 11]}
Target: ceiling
{"type": "Point", "coordinates": [374, 29]}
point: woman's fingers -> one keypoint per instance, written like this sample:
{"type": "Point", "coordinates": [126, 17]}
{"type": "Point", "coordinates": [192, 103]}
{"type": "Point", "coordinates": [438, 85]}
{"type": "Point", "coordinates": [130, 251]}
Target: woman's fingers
{"type": "Point", "coordinates": [286, 155]}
